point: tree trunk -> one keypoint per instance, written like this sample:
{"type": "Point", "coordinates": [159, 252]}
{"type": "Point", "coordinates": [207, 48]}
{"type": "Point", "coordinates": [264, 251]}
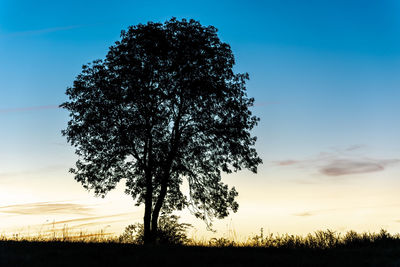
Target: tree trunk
{"type": "Point", "coordinates": [148, 204]}
{"type": "Point", "coordinates": [165, 180]}
{"type": "Point", "coordinates": [147, 235]}
{"type": "Point", "coordinates": [157, 207]}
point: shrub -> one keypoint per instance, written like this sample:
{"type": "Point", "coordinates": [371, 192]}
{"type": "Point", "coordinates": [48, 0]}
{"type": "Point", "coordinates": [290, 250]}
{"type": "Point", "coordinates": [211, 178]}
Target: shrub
{"type": "Point", "coordinates": [169, 232]}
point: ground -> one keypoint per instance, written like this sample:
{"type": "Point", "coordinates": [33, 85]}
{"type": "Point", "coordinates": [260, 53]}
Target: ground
{"type": "Point", "coordinates": [116, 254]}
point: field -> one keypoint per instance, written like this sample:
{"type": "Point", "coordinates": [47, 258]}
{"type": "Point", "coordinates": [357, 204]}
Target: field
{"type": "Point", "coordinates": [323, 248]}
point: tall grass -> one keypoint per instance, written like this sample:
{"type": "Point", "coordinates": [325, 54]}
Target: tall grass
{"type": "Point", "coordinates": [318, 240]}
{"type": "Point", "coordinates": [61, 235]}
{"type": "Point", "coordinates": [327, 239]}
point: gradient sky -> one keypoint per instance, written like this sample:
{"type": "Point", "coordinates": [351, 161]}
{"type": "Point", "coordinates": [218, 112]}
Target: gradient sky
{"type": "Point", "coordinates": [325, 76]}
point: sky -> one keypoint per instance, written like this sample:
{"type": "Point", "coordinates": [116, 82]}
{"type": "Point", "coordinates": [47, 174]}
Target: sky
{"type": "Point", "coordinates": [325, 78]}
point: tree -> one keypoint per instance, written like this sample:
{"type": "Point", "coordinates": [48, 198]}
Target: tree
{"type": "Point", "coordinates": [163, 106]}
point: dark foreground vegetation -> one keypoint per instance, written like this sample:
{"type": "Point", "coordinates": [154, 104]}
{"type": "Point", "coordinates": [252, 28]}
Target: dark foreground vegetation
{"type": "Point", "coordinates": [323, 248]}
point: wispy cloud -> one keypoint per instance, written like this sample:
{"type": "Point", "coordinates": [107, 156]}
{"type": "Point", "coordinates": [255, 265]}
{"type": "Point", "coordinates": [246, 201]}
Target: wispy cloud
{"type": "Point", "coordinates": [355, 147]}
{"type": "Point", "coordinates": [90, 218]}
{"type": "Point", "coordinates": [303, 214]}
{"type": "Point", "coordinates": [350, 166]}
{"type": "Point", "coordinates": [22, 109]}
{"type": "Point", "coordinates": [286, 162]}
{"type": "Point", "coordinates": [264, 103]}
{"type": "Point", "coordinates": [91, 221]}
{"type": "Point", "coordinates": [41, 31]}
{"type": "Point", "coordinates": [308, 213]}
{"type": "Point", "coordinates": [91, 224]}
{"type": "Point", "coordinates": [64, 216]}
{"type": "Point", "coordinates": [54, 29]}
{"type": "Point", "coordinates": [341, 162]}
{"type": "Point", "coordinates": [53, 208]}
{"type": "Point", "coordinates": [5, 177]}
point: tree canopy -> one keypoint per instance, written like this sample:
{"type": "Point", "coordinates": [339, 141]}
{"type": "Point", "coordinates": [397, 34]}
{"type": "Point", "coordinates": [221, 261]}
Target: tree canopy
{"type": "Point", "coordinates": [163, 106]}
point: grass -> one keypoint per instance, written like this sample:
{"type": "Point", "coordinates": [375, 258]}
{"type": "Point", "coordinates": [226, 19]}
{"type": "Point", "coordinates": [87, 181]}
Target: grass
{"type": "Point", "coordinates": [62, 235]}
{"type": "Point", "coordinates": [322, 248]}
{"type": "Point", "coordinates": [319, 240]}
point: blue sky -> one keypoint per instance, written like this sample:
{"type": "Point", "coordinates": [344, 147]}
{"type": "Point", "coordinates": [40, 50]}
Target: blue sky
{"type": "Point", "coordinates": [325, 76]}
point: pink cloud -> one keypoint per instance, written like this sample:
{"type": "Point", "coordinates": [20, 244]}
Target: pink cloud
{"type": "Point", "coordinates": [341, 162]}
{"type": "Point", "coordinates": [345, 166]}
{"type": "Point", "coordinates": [286, 162]}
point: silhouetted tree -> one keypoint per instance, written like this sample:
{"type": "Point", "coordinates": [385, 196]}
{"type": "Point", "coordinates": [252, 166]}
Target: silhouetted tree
{"type": "Point", "coordinates": [164, 105]}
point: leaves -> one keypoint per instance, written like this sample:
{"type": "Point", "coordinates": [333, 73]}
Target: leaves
{"type": "Point", "coordinates": [165, 104]}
